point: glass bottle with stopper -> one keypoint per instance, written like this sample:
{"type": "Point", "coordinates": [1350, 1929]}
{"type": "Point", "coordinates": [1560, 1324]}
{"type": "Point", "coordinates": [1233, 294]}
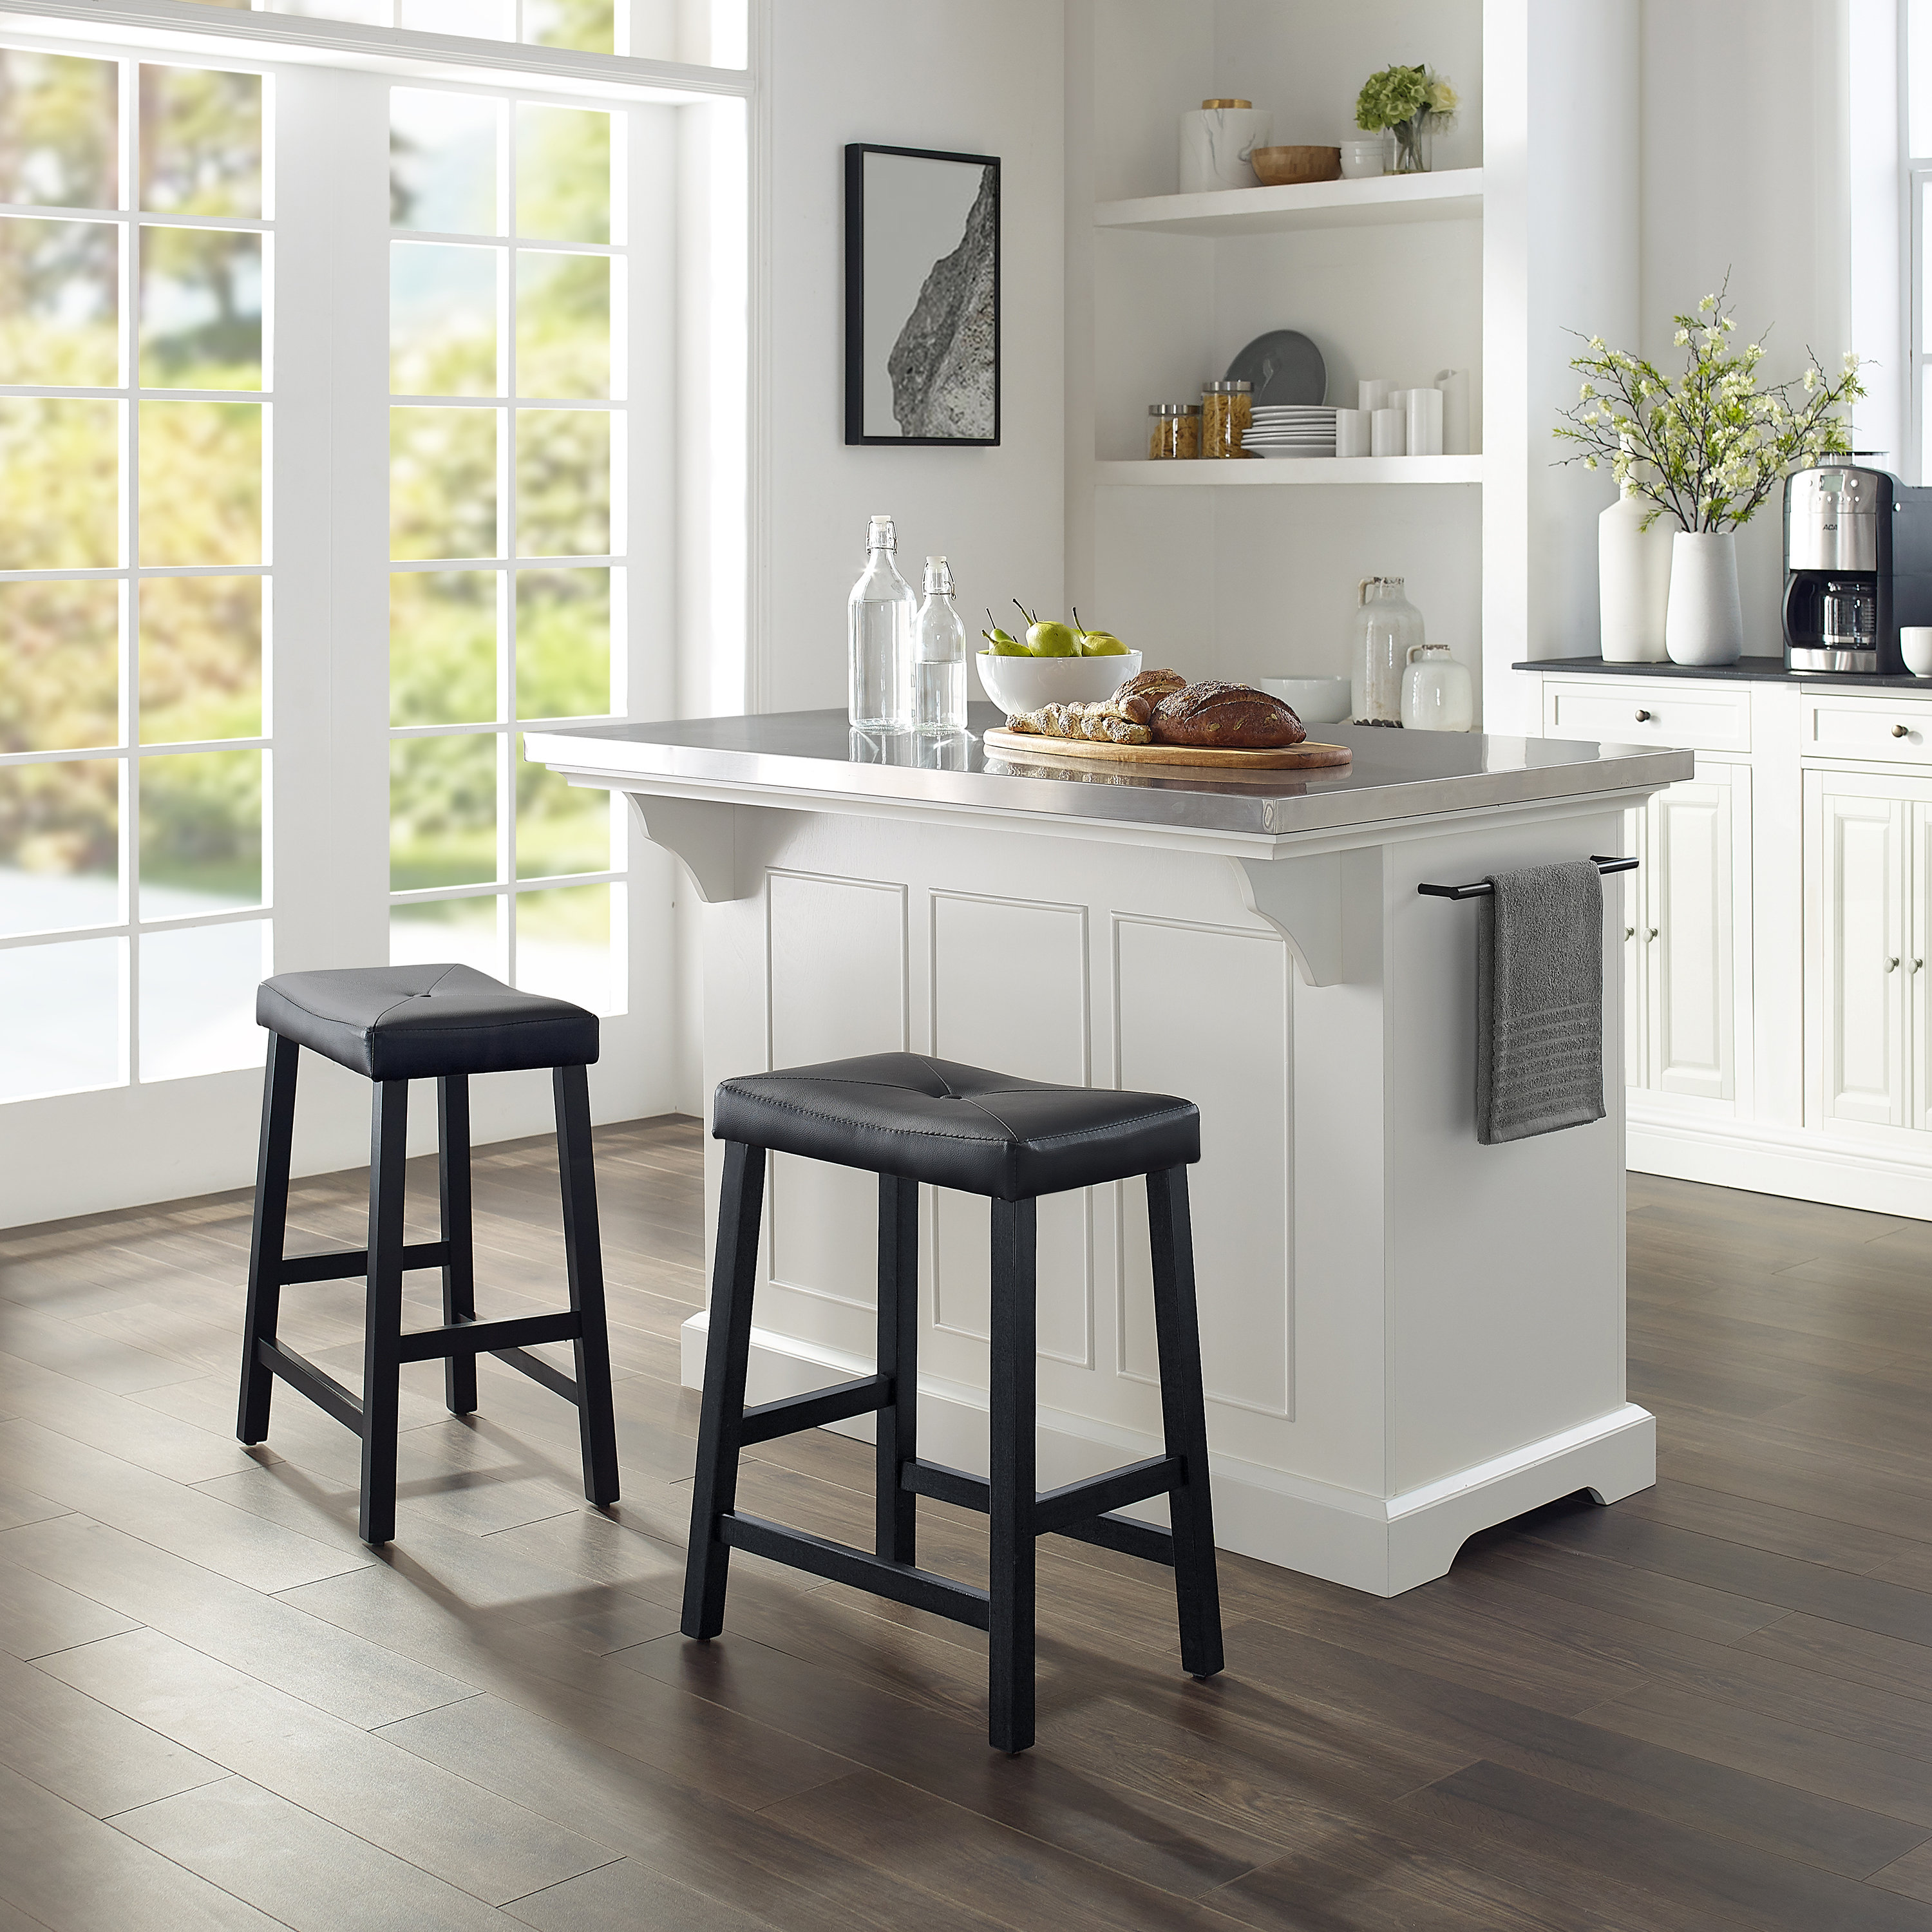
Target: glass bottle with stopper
{"type": "Point", "coordinates": [1387, 627]}
{"type": "Point", "coordinates": [879, 627]}
{"type": "Point", "coordinates": [939, 655]}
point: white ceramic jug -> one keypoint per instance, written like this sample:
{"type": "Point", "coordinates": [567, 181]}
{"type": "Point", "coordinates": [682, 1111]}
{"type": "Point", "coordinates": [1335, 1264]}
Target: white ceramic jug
{"type": "Point", "coordinates": [1437, 695]}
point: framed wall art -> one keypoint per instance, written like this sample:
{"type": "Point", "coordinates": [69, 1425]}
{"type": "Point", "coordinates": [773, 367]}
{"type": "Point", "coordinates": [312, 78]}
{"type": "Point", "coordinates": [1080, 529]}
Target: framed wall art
{"type": "Point", "coordinates": [922, 296]}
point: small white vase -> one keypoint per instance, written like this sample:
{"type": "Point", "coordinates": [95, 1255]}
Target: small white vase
{"type": "Point", "coordinates": [1633, 580]}
{"type": "Point", "coordinates": [1704, 621]}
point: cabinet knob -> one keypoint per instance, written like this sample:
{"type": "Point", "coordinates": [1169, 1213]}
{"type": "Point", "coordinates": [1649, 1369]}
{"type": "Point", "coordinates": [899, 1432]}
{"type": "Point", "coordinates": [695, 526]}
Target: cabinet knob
{"type": "Point", "coordinates": [1891, 965]}
{"type": "Point", "coordinates": [1630, 932]}
{"type": "Point", "coordinates": [1651, 934]}
{"type": "Point", "coordinates": [1643, 717]}
{"type": "Point", "coordinates": [1901, 730]}
{"type": "Point", "coordinates": [1918, 965]}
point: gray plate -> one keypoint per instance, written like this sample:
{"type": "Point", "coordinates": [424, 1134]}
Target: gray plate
{"type": "Point", "coordinates": [1284, 366]}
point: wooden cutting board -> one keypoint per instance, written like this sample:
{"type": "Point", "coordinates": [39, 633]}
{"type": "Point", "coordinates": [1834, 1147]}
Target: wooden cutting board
{"type": "Point", "coordinates": [1286, 757]}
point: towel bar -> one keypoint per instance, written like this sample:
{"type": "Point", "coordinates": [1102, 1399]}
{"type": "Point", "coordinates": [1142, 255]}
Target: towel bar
{"type": "Point", "coordinates": [1483, 890]}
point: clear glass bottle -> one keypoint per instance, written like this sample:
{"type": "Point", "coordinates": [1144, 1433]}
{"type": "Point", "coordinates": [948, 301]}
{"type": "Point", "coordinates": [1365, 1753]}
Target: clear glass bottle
{"type": "Point", "coordinates": [1387, 627]}
{"type": "Point", "coordinates": [938, 656]}
{"type": "Point", "coordinates": [879, 622]}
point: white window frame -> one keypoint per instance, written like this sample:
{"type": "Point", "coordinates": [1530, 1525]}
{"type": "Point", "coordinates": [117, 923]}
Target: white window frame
{"type": "Point", "coordinates": [326, 812]}
{"type": "Point", "coordinates": [130, 752]}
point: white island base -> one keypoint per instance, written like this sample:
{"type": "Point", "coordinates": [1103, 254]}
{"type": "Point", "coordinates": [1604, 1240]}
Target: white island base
{"type": "Point", "coordinates": [1406, 1336]}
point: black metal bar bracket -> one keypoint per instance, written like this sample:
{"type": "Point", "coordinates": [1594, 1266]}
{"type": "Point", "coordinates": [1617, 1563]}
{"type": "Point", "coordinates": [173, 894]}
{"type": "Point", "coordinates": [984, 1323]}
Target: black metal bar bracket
{"type": "Point", "coordinates": [1483, 890]}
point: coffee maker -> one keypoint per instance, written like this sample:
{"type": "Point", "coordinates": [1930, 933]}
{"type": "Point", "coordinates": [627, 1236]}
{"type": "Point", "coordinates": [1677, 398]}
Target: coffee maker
{"type": "Point", "coordinates": [1858, 564]}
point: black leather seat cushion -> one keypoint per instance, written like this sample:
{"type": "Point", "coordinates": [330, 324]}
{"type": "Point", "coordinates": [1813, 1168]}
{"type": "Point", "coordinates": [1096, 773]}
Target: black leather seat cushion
{"type": "Point", "coordinates": [422, 1022]}
{"type": "Point", "coordinates": [958, 1126]}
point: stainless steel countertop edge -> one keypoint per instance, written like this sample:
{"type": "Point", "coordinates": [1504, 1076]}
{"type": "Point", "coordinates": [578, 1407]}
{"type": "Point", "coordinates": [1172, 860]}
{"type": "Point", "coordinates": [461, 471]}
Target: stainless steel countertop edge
{"type": "Point", "coordinates": [802, 783]}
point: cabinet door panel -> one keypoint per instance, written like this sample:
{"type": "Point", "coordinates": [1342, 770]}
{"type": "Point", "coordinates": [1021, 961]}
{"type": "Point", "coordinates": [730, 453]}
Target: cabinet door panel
{"type": "Point", "coordinates": [1918, 968]}
{"type": "Point", "coordinates": [1693, 1011]}
{"type": "Point", "coordinates": [1854, 951]}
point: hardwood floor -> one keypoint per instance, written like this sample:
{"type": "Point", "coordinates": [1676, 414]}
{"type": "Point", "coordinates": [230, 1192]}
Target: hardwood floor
{"type": "Point", "coordinates": [1710, 1706]}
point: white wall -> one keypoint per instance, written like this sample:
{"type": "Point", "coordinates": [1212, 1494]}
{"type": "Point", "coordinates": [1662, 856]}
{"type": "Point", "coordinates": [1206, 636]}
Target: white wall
{"type": "Point", "coordinates": [982, 78]}
{"type": "Point", "coordinates": [1743, 146]}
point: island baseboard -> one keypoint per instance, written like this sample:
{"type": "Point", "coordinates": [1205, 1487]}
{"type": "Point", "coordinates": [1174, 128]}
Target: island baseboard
{"type": "Point", "coordinates": [1382, 1546]}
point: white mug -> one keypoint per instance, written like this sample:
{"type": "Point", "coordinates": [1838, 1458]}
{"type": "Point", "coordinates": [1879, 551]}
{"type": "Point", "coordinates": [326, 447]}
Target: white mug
{"type": "Point", "coordinates": [1389, 437]}
{"type": "Point", "coordinates": [1425, 422]}
{"type": "Point", "coordinates": [1352, 432]}
{"type": "Point", "coordinates": [1915, 645]}
{"type": "Point", "coordinates": [1372, 393]}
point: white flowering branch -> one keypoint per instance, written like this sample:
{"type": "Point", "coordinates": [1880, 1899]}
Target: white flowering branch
{"type": "Point", "coordinates": [1711, 446]}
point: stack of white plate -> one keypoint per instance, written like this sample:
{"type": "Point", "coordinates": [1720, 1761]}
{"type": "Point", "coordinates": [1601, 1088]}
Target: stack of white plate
{"type": "Point", "coordinates": [1291, 429]}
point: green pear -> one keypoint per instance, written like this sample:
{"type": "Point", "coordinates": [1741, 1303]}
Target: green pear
{"type": "Point", "coordinates": [1098, 643]}
{"type": "Point", "coordinates": [1050, 639]}
{"type": "Point", "coordinates": [999, 644]}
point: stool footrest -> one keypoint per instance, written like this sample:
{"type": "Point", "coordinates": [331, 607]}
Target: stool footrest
{"type": "Point", "coordinates": [321, 1387]}
{"type": "Point", "coordinates": [903, 1582]}
{"type": "Point", "coordinates": [485, 1338]}
{"type": "Point", "coordinates": [1081, 1511]}
{"type": "Point", "coordinates": [792, 1413]}
{"type": "Point", "coordinates": [340, 1264]}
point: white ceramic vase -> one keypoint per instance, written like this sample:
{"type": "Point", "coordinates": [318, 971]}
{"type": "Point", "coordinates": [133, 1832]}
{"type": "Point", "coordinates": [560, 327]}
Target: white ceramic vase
{"type": "Point", "coordinates": [1633, 579]}
{"type": "Point", "coordinates": [1704, 622]}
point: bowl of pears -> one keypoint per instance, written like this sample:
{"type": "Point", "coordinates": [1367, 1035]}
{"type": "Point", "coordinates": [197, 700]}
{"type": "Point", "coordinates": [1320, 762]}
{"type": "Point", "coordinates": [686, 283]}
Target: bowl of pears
{"type": "Point", "coordinates": [1051, 663]}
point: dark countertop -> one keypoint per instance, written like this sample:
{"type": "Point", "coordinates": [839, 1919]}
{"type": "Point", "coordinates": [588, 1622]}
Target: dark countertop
{"type": "Point", "coordinates": [1749, 671]}
{"type": "Point", "coordinates": [809, 759]}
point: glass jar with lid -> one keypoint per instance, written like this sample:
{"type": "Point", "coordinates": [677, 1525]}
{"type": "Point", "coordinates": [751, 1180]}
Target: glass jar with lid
{"type": "Point", "coordinates": [1173, 429]}
{"type": "Point", "coordinates": [1227, 408]}
{"type": "Point", "coordinates": [1387, 627]}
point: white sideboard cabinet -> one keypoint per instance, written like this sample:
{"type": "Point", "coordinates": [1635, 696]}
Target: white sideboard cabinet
{"type": "Point", "coordinates": [1777, 1006]}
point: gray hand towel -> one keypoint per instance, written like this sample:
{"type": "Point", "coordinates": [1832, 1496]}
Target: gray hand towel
{"type": "Point", "coordinates": [1540, 1002]}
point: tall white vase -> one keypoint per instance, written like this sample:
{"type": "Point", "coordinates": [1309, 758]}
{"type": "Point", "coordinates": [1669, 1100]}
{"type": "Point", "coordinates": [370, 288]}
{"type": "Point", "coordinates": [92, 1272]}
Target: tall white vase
{"type": "Point", "coordinates": [1704, 623]}
{"type": "Point", "coordinates": [1634, 579]}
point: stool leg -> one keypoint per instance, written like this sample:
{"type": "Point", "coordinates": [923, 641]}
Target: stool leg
{"type": "Point", "coordinates": [1010, 1500]}
{"type": "Point", "coordinates": [714, 1490]}
{"type": "Point", "coordinates": [1183, 1411]}
{"type": "Point", "coordinates": [383, 1321]}
{"type": "Point", "coordinates": [459, 1272]}
{"type": "Point", "coordinates": [897, 1437]}
{"type": "Point", "coordinates": [264, 1245]}
{"type": "Point", "coordinates": [584, 1255]}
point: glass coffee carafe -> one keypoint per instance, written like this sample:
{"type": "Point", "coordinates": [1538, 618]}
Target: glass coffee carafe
{"type": "Point", "coordinates": [1851, 614]}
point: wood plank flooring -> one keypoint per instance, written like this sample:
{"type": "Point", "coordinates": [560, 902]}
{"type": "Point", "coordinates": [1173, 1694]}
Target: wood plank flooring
{"type": "Point", "coordinates": [1708, 1707]}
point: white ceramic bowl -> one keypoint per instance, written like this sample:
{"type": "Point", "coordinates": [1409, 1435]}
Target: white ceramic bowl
{"type": "Point", "coordinates": [1915, 645]}
{"type": "Point", "coordinates": [1316, 700]}
{"type": "Point", "coordinates": [1024, 684]}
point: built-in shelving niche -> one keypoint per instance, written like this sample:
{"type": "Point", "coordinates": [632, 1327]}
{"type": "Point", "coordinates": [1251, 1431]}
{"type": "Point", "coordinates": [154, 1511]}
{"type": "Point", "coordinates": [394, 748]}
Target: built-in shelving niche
{"type": "Point", "coordinates": [1250, 569]}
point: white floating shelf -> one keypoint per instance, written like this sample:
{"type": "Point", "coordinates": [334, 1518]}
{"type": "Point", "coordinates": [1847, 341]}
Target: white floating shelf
{"type": "Point", "coordinates": [1275, 472]}
{"type": "Point", "coordinates": [1456, 194]}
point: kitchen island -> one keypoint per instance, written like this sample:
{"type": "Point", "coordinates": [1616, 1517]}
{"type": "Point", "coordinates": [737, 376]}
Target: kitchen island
{"type": "Point", "coordinates": [1407, 1337]}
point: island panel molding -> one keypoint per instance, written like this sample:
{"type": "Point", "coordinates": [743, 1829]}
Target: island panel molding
{"type": "Point", "coordinates": [1206, 1053]}
{"type": "Point", "coordinates": [837, 970]}
{"type": "Point", "coordinates": [1407, 1336]}
{"type": "Point", "coordinates": [1009, 987]}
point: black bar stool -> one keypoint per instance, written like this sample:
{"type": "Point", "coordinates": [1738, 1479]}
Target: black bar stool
{"type": "Point", "coordinates": [910, 1119]}
{"type": "Point", "coordinates": [393, 1024]}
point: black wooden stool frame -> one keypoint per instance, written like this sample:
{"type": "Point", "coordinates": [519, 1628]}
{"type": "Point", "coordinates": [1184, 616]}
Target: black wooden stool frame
{"type": "Point", "coordinates": [1018, 1514]}
{"type": "Point", "coordinates": [386, 1261]}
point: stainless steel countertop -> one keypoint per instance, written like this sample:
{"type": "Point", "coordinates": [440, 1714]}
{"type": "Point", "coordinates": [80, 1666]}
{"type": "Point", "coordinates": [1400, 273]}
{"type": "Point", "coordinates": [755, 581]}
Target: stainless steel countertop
{"type": "Point", "coordinates": [801, 759]}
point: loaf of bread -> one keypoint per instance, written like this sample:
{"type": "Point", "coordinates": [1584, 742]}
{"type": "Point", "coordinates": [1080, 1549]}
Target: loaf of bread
{"type": "Point", "coordinates": [1229, 717]}
{"type": "Point", "coordinates": [1153, 686]}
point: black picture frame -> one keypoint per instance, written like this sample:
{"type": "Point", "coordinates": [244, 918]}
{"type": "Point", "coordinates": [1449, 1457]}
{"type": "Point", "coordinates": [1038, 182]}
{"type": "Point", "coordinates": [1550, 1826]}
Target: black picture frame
{"type": "Point", "coordinates": [858, 429]}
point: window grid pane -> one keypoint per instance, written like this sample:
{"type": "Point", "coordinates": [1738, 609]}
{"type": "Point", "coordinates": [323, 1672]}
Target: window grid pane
{"type": "Point", "coordinates": [141, 297]}
{"type": "Point", "coordinates": [518, 502]}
